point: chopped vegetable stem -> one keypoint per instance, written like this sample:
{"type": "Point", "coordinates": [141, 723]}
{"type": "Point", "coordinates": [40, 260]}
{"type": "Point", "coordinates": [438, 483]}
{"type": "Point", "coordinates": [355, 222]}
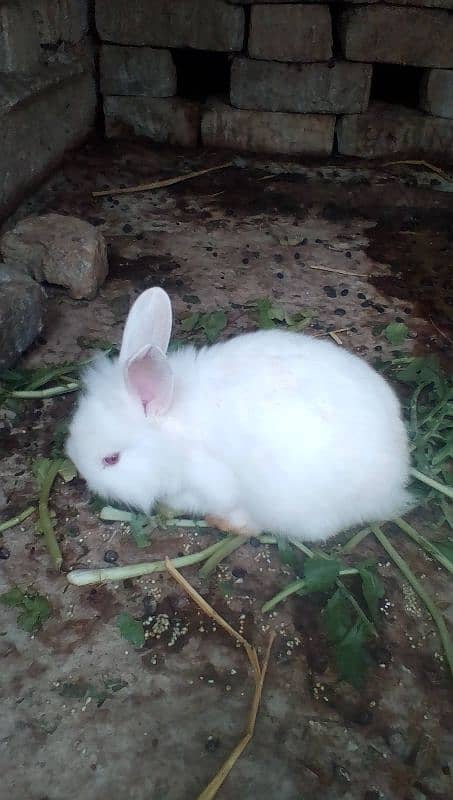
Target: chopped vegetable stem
{"type": "Point", "coordinates": [428, 547]}
{"type": "Point", "coordinates": [441, 487]}
{"type": "Point", "coordinates": [85, 577]}
{"type": "Point", "coordinates": [419, 589]}
{"type": "Point", "coordinates": [296, 586]}
{"type": "Point", "coordinates": [44, 515]}
{"type": "Point", "coordinates": [228, 546]}
{"type": "Point", "coordinates": [10, 523]}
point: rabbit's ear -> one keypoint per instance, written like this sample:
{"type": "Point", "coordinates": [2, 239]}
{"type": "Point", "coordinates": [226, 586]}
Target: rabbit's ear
{"type": "Point", "coordinates": [149, 377]}
{"type": "Point", "coordinates": [148, 323]}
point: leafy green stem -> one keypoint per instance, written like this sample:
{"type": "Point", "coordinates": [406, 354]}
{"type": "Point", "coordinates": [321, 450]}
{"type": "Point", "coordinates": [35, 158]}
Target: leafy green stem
{"type": "Point", "coordinates": [228, 546]}
{"type": "Point", "coordinates": [441, 487]}
{"type": "Point", "coordinates": [428, 547]}
{"type": "Point", "coordinates": [355, 540]}
{"type": "Point", "coordinates": [297, 586]}
{"type": "Point", "coordinates": [419, 589]}
{"type": "Point", "coordinates": [85, 577]}
{"type": "Point", "coordinates": [45, 521]}
{"type": "Point", "coordinates": [10, 523]}
{"type": "Point", "coordinates": [37, 394]}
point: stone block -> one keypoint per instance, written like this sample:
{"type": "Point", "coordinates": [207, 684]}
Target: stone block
{"type": "Point", "coordinates": [290, 33]}
{"type": "Point", "coordinates": [416, 36]}
{"type": "Point", "coordinates": [165, 120]}
{"type": "Point", "coordinates": [61, 20]}
{"type": "Point", "coordinates": [59, 249]}
{"type": "Point", "coordinates": [21, 313]}
{"type": "Point", "coordinates": [200, 24]}
{"type": "Point", "coordinates": [264, 132]}
{"type": "Point", "coordinates": [446, 4]}
{"type": "Point", "coordinates": [19, 42]}
{"type": "Point", "coordinates": [137, 71]}
{"type": "Point", "coordinates": [41, 117]}
{"type": "Point", "coordinates": [340, 88]}
{"type": "Point", "coordinates": [388, 130]}
{"type": "Point", "coordinates": [436, 92]}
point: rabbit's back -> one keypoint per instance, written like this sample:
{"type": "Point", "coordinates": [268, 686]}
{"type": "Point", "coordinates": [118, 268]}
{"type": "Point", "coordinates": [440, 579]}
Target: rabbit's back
{"type": "Point", "coordinates": [313, 432]}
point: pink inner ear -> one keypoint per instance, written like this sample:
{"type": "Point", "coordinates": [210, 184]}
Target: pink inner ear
{"type": "Point", "coordinates": [148, 375]}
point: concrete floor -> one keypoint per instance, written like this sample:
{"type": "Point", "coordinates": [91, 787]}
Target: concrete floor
{"type": "Point", "coordinates": [221, 241]}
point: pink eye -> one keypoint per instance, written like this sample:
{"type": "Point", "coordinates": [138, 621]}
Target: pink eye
{"type": "Point", "coordinates": [109, 461]}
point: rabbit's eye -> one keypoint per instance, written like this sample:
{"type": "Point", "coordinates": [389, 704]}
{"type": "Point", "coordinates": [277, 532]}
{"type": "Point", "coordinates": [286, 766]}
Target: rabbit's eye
{"type": "Point", "coordinates": [109, 461]}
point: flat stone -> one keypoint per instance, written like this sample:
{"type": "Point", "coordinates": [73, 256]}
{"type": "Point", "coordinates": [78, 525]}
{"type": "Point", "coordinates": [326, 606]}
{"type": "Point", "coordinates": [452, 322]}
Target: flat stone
{"type": "Point", "coordinates": [61, 20]}
{"type": "Point", "coordinates": [436, 92]}
{"type": "Point", "coordinates": [170, 120]}
{"type": "Point", "coordinates": [420, 3]}
{"type": "Point", "coordinates": [416, 36]}
{"type": "Point", "coordinates": [40, 118]}
{"type": "Point", "coordinates": [63, 250]}
{"type": "Point", "coordinates": [137, 71]}
{"type": "Point", "coordinates": [19, 42]}
{"type": "Point", "coordinates": [388, 130]}
{"type": "Point", "coordinates": [265, 132]}
{"type": "Point", "coordinates": [342, 88]}
{"type": "Point", "coordinates": [290, 33]}
{"type": "Point", "coordinates": [21, 313]}
{"type": "Point", "coordinates": [203, 25]}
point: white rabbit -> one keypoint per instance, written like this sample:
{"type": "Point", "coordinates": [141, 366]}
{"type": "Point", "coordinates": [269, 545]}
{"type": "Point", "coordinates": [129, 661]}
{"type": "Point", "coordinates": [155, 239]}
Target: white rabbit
{"type": "Point", "coordinates": [269, 431]}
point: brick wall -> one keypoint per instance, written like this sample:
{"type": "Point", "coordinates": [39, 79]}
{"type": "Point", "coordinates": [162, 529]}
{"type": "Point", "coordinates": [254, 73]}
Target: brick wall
{"type": "Point", "coordinates": [303, 77]}
{"type": "Point", "coordinates": [47, 89]}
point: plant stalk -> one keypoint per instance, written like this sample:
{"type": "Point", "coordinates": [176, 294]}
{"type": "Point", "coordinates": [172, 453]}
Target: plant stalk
{"type": "Point", "coordinates": [45, 521]}
{"type": "Point", "coordinates": [425, 544]}
{"type": "Point", "coordinates": [10, 523]}
{"type": "Point", "coordinates": [441, 487]}
{"type": "Point", "coordinates": [419, 589]}
{"type": "Point", "coordinates": [85, 577]}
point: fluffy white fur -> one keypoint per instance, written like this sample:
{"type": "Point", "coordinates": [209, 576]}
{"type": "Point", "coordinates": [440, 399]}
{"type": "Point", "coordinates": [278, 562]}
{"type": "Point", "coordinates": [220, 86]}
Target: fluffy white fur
{"type": "Point", "coordinates": [271, 431]}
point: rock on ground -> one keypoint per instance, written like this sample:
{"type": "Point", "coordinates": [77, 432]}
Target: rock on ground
{"type": "Point", "coordinates": [63, 250]}
{"type": "Point", "coordinates": [21, 313]}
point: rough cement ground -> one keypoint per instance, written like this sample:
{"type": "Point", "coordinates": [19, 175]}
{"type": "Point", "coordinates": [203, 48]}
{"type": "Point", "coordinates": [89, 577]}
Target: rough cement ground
{"type": "Point", "coordinates": [222, 241]}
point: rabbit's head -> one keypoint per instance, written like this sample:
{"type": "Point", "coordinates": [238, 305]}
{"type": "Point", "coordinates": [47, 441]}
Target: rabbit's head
{"type": "Point", "coordinates": [114, 438]}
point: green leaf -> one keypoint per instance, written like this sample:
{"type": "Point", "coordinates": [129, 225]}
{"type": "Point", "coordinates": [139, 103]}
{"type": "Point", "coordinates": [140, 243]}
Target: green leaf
{"type": "Point", "coordinates": [337, 616]}
{"type": "Point", "coordinates": [351, 656]}
{"type": "Point", "coordinates": [190, 322]}
{"type": "Point", "coordinates": [67, 470]}
{"type": "Point", "coordinates": [396, 333]}
{"type": "Point", "coordinates": [213, 324]}
{"type": "Point", "coordinates": [320, 574]}
{"type": "Point", "coordinates": [13, 598]}
{"type": "Point", "coordinates": [131, 629]}
{"type": "Point", "coordinates": [36, 608]}
{"type": "Point", "coordinates": [372, 589]}
{"type": "Point", "coordinates": [141, 528]}
{"type": "Point", "coordinates": [267, 313]}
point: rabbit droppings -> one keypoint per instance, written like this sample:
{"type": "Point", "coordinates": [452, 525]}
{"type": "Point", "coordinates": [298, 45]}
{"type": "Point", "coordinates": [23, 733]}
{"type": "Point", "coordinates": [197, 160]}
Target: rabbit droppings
{"type": "Point", "coordinates": [269, 431]}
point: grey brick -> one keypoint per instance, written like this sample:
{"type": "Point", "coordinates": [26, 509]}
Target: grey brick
{"type": "Point", "coordinates": [40, 117]}
{"type": "Point", "coordinates": [343, 88]}
{"type": "Point", "coordinates": [61, 20]}
{"type": "Point", "coordinates": [137, 71]}
{"type": "Point", "coordinates": [416, 36]}
{"type": "Point", "coordinates": [387, 130]}
{"type": "Point", "coordinates": [201, 24]}
{"type": "Point", "coordinates": [21, 313]}
{"type": "Point", "coordinates": [19, 42]}
{"type": "Point", "coordinates": [168, 121]}
{"type": "Point", "coordinates": [290, 33]}
{"type": "Point", "coordinates": [264, 132]}
{"type": "Point", "coordinates": [436, 92]}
